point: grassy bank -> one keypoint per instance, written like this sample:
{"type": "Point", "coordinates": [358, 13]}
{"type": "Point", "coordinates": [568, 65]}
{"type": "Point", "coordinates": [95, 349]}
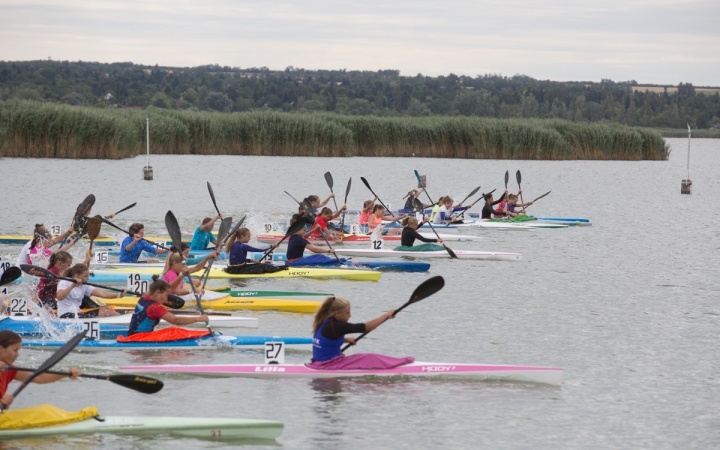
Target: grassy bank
{"type": "Point", "coordinates": [32, 129]}
{"type": "Point", "coordinates": [682, 133]}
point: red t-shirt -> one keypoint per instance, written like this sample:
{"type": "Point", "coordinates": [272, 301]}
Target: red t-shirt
{"type": "Point", "coordinates": [156, 311]}
{"type": "Point", "coordinates": [322, 223]}
{"type": "Point", "coordinates": [5, 379]}
{"type": "Point", "coordinates": [47, 287]}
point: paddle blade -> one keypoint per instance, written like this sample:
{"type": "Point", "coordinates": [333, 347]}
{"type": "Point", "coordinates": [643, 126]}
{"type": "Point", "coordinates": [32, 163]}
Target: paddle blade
{"type": "Point", "coordinates": [507, 177]}
{"type": "Point", "coordinates": [427, 288]}
{"type": "Point", "coordinates": [173, 228]}
{"type": "Point", "coordinates": [308, 207]}
{"type": "Point", "coordinates": [237, 226]}
{"type": "Point", "coordinates": [225, 225]}
{"type": "Point", "coordinates": [450, 252]}
{"type": "Point", "coordinates": [145, 385]}
{"type": "Point", "coordinates": [37, 271]}
{"type": "Point", "coordinates": [518, 177]}
{"type": "Point", "coordinates": [366, 183]}
{"type": "Point", "coordinates": [542, 196]}
{"type": "Point", "coordinates": [417, 175]}
{"type": "Point", "coordinates": [295, 227]}
{"type": "Point", "coordinates": [11, 274]}
{"type": "Point", "coordinates": [418, 206]}
{"type": "Point", "coordinates": [347, 190]}
{"type": "Point", "coordinates": [329, 180]}
{"type": "Point", "coordinates": [126, 208]}
{"type": "Point", "coordinates": [94, 224]}
{"type": "Point", "coordinates": [473, 192]}
{"type": "Point", "coordinates": [212, 196]}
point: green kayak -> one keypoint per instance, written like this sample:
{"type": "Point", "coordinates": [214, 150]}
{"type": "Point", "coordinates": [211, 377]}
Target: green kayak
{"type": "Point", "coordinates": [203, 428]}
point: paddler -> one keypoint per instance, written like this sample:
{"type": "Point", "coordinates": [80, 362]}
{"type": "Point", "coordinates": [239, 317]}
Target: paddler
{"type": "Point", "coordinates": [436, 209]}
{"type": "Point", "coordinates": [367, 209]}
{"type": "Point", "coordinates": [512, 204]}
{"type": "Point", "coordinates": [409, 233]}
{"type": "Point", "coordinates": [237, 249]}
{"type": "Point", "coordinates": [323, 220]}
{"type": "Point", "coordinates": [446, 211]}
{"type": "Point", "coordinates": [133, 246]}
{"type": "Point", "coordinates": [487, 211]}
{"type": "Point", "coordinates": [40, 252]}
{"type": "Point", "coordinates": [149, 310]}
{"type": "Point", "coordinates": [377, 217]}
{"type": "Point", "coordinates": [330, 328]}
{"type": "Point", "coordinates": [23, 256]}
{"type": "Point", "coordinates": [202, 237]}
{"type": "Point", "coordinates": [46, 288]}
{"type": "Point", "coordinates": [10, 343]}
{"type": "Point", "coordinates": [316, 203]}
{"type": "Point", "coordinates": [411, 196]}
{"type": "Point", "coordinates": [175, 272]}
{"type": "Point", "coordinates": [73, 296]}
{"type": "Point", "coordinates": [296, 251]}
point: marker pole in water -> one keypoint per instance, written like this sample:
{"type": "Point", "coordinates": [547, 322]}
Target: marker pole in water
{"type": "Point", "coordinates": [686, 186]}
{"type": "Point", "coordinates": [147, 170]}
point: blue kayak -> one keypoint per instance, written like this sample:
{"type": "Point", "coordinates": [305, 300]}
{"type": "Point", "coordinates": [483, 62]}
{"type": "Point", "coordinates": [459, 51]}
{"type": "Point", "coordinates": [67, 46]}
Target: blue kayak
{"type": "Point", "coordinates": [35, 328]}
{"type": "Point", "coordinates": [203, 343]}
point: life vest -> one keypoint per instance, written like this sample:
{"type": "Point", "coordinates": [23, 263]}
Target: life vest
{"type": "Point", "coordinates": [139, 322]}
{"type": "Point", "coordinates": [324, 348]}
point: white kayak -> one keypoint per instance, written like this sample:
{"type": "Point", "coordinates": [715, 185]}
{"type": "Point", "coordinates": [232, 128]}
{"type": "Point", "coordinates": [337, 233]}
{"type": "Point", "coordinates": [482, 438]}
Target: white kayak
{"type": "Point", "coordinates": [529, 225]}
{"type": "Point", "coordinates": [216, 321]}
{"type": "Point", "coordinates": [203, 428]}
{"type": "Point", "coordinates": [549, 375]}
{"type": "Point", "coordinates": [461, 254]}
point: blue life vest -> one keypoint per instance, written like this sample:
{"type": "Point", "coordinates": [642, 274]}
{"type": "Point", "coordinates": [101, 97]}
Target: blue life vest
{"type": "Point", "coordinates": [324, 348]}
{"type": "Point", "coordinates": [139, 322]}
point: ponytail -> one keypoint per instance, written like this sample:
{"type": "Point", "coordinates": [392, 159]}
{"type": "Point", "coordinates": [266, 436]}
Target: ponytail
{"type": "Point", "coordinates": [59, 256]}
{"type": "Point", "coordinates": [330, 306]}
{"type": "Point", "coordinates": [234, 237]}
{"type": "Point", "coordinates": [158, 285]}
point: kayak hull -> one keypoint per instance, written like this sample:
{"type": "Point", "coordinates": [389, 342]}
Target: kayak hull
{"type": "Point", "coordinates": [123, 320]}
{"type": "Point", "coordinates": [203, 428]}
{"type": "Point", "coordinates": [27, 327]}
{"type": "Point", "coordinates": [102, 242]}
{"type": "Point", "coordinates": [548, 375]}
{"type": "Point", "coordinates": [279, 258]}
{"type": "Point", "coordinates": [230, 303]}
{"type": "Point", "coordinates": [311, 272]}
{"type": "Point", "coordinates": [204, 343]}
{"type": "Point", "coordinates": [365, 238]}
{"type": "Point", "coordinates": [461, 254]}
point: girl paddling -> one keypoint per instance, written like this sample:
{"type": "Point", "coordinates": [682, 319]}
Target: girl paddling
{"type": "Point", "coordinates": [74, 296]}
{"type": "Point", "coordinates": [487, 211]}
{"type": "Point", "coordinates": [10, 343]}
{"type": "Point", "coordinates": [175, 271]}
{"type": "Point", "coordinates": [133, 246]}
{"type": "Point", "coordinates": [40, 252]}
{"type": "Point", "coordinates": [367, 209]}
{"type": "Point", "coordinates": [296, 249]}
{"type": "Point", "coordinates": [238, 249]}
{"type": "Point", "coordinates": [329, 329]}
{"type": "Point", "coordinates": [322, 221]}
{"type": "Point", "coordinates": [410, 234]}
{"type": "Point", "coordinates": [512, 204]}
{"type": "Point", "coordinates": [149, 310]}
{"type": "Point", "coordinates": [46, 289]}
{"type": "Point", "coordinates": [377, 217]}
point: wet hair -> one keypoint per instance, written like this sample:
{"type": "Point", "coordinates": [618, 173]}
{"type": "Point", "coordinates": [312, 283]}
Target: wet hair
{"type": "Point", "coordinates": [234, 237]}
{"type": "Point", "coordinates": [330, 306]}
{"type": "Point", "coordinates": [135, 228]}
{"type": "Point", "coordinates": [378, 207]}
{"type": "Point", "coordinates": [367, 203]}
{"type": "Point", "coordinates": [8, 338]}
{"type": "Point", "coordinates": [206, 220]}
{"type": "Point", "coordinates": [77, 269]}
{"type": "Point", "coordinates": [40, 234]}
{"type": "Point", "coordinates": [158, 285]}
{"type": "Point", "coordinates": [183, 247]}
{"type": "Point", "coordinates": [60, 256]}
{"type": "Point", "coordinates": [172, 259]}
{"type": "Point", "coordinates": [325, 210]}
{"type": "Point", "coordinates": [409, 221]}
{"type": "Point", "coordinates": [488, 196]}
{"type": "Point", "coordinates": [313, 198]}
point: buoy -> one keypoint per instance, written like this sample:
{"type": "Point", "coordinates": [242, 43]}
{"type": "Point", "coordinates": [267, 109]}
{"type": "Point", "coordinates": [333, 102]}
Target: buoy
{"type": "Point", "coordinates": [686, 185]}
{"type": "Point", "coordinates": [147, 170]}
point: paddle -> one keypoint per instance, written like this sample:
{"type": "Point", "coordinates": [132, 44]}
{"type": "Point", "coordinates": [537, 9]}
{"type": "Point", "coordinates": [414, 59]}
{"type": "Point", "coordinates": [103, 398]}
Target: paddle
{"type": "Point", "coordinates": [145, 385]}
{"type": "Point", "coordinates": [125, 209]}
{"type": "Point", "coordinates": [518, 177]}
{"type": "Point", "coordinates": [425, 290]}
{"type": "Point", "coordinates": [292, 229]}
{"type": "Point", "coordinates": [212, 196]}
{"type": "Point", "coordinates": [94, 225]}
{"type": "Point", "coordinates": [373, 193]}
{"type": "Point", "coordinates": [329, 181]}
{"type": "Point", "coordinates": [417, 175]}
{"type": "Point", "coordinates": [51, 361]}
{"type": "Point", "coordinates": [293, 198]}
{"type": "Point", "coordinates": [11, 274]}
{"type": "Point", "coordinates": [462, 214]}
{"type": "Point", "coordinates": [78, 223]}
{"type": "Point", "coordinates": [44, 273]}
{"type": "Point", "coordinates": [225, 225]}
{"type": "Point", "coordinates": [128, 233]}
{"type": "Point", "coordinates": [419, 206]}
{"type": "Point", "coordinates": [173, 228]}
{"type": "Point", "coordinates": [347, 192]}
{"type": "Point", "coordinates": [538, 198]}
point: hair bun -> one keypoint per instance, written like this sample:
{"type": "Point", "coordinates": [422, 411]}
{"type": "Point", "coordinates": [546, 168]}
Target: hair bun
{"type": "Point", "coordinates": [155, 277]}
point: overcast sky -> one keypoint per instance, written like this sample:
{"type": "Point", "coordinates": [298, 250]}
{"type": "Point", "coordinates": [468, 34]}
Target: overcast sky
{"type": "Point", "coordinates": [658, 41]}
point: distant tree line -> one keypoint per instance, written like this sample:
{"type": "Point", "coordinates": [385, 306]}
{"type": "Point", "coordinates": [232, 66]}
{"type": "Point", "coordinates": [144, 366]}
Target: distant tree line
{"type": "Point", "coordinates": [365, 93]}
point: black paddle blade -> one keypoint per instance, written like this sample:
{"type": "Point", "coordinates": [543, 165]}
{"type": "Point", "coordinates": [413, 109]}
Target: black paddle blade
{"type": "Point", "coordinates": [507, 177]}
{"type": "Point", "coordinates": [366, 183]}
{"type": "Point", "coordinates": [347, 190]}
{"type": "Point", "coordinates": [37, 271]}
{"type": "Point", "coordinates": [472, 193]}
{"type": "Point", "coordinates": [329, 180]}
{"type": "Point", "coordinates": [137, 383]}
{"type": "Point", "coordinates": [427, 288]}
{"type": "Point", "coordinates": [173, 228]}
{"type": "Point", "coordinates": [308, 207]}
{"type": "Point", "coordinates": [542, 196]}
{"type": "Point", "coordinates": [450, 252]}
{"type": "Point", "coordinates": [94, 225]}
{"type": "Point", "coordinates": [126, 208]}
{"type": "Point", "coordinates": [295, 227]}
{"type": "Point", "coordinates": [518, 177]}
{"type": "Point", "coordinates": [418, 206]}
{"type": "Point", "coordinates": [212, 196]}
{"type": "Point", "coordinates": [225, 225]}
{"type": "Point", "coordinates": [11, 274]}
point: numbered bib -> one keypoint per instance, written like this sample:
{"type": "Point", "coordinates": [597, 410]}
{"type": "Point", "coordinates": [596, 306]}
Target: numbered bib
{"type": "Point", "coordinates": [55, 230]}
{"type": "Point", "coordinates": [93, 329]}
{"type": "Point", "coordinates": [355, 229]}
{"type": "Point", "coordinates": [268, 227]}
{"type": "Point", "coordinates": [136, 283]}
{"type": "Point", "coordinates": [101, 257]}
{"type": "Point", "coordinates": [377, 244]}
{"type": "Point", "coordinates": [18, 307]}
{"type": "Point", "coordinates": [4, 265]}
{"type": "Point", "coordinates": [274, 353]}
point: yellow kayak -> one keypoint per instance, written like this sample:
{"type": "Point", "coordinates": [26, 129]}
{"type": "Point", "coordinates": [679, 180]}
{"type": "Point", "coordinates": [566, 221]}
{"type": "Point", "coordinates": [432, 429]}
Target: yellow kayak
{"type": "Point", "coordinates": [103, 241]}
{"type": "Point", "coordinates": [309, 272]}
{"type": "Point", "coordinates": [229, 303]}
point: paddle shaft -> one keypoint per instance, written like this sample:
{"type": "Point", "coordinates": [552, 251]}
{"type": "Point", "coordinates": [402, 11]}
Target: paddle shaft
{"type": "Point", "coordinates": [419, 206]}
{"type": "Point", "coordinates": [373, 193]}
{"type": "Point", "coordinates": [128, 233]}
{"type": "Point", "coordinates": [293, 198]}
{"type": "Point", "coordinates": [347, 192]}
{"type": "Point", "coordinates": [212, 196]}
{"type": "Point", "coordinates": [417, 175]}
{"type": "Point", "coordinates": [518, 177]}
{"type": "Point", "coordinates": [48, 274]}
{"type": "Point", "coordinates": [135, 382]}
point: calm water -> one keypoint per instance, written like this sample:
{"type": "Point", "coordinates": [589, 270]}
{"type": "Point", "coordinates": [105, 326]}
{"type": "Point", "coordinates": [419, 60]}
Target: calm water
{"type": "Point", "coordinates": [628, 307]}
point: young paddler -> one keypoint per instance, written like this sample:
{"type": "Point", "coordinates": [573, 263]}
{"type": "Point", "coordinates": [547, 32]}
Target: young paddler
{"type": "Point", "coordinates": [322, 221]}
{"type": "Point", "coordinates": [175, 272]}
{"type": "Point", "coordinates": [73, 296]}
{"type": "Point", "coordinates": [330, 329]}
{"type": "Point", "coordinates": [150, 309]}
{"type": "Point", "coordinates": [410, 234]}
{"type": "Point", "coordinates": [10, 343]}
{"type": "Point", "coordinates": [446, 210]}
{"type": "Point", "coordinates": [46, 288]}
{"type": "Point", "coordinates": [487, 210]}
{"type": "Point", "coordinates": [237, 249]}
{"type": "Point", "coordinates": [512, 204]}
{"type": "Point", "coordinates": [367, 209]}
{"type": "Point", "coordinates": [202, 237]}
{"type": "Point", "coordinates": [377, 217]}
{"type": "Point", "coordinates": [132, 246]}
{"type": "Point", "coordinates": [39, 251]}
{"type": "Point", "coordinates": [296, 250]}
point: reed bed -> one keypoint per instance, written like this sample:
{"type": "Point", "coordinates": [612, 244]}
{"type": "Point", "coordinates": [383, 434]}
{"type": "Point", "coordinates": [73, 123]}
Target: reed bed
{"type": "Point", "coordinates": [33, 129]}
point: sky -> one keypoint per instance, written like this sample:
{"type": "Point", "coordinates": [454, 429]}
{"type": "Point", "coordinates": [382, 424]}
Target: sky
{"type": "Point", "coordinates": [654, 42]}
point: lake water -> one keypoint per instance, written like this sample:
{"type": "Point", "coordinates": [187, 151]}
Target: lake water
{"type": "Point", "coordinates": [628, 307]}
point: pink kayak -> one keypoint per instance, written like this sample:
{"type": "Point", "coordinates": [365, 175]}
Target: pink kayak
{"type": "Point", "coordinates": [549, 375]}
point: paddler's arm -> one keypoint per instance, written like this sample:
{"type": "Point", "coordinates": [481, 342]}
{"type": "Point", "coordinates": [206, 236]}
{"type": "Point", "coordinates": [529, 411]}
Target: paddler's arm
{"type": "Point", "coordinates": [324, 202]}
{"type": "Point", "coordinates": [316, 249]}
{"type": "Point", "coordinates": [62, 293]}
{"type": "Point", "coordinates": [59, 238]}
{"type": "Point", "coordinates": [45, 378]}
{"type": "Point", "coordinates": [186, 320]}
{"type": "Point", "coordinates": [201, 265]}
{"type": "Point", "coordinates": [107, 294]}
{"type": "Point", "coordinates": [176, 282]}
{"type": "Point", "coordinates": [209, 226]}
{"type": "Point", "coordinates": [369, 326]}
